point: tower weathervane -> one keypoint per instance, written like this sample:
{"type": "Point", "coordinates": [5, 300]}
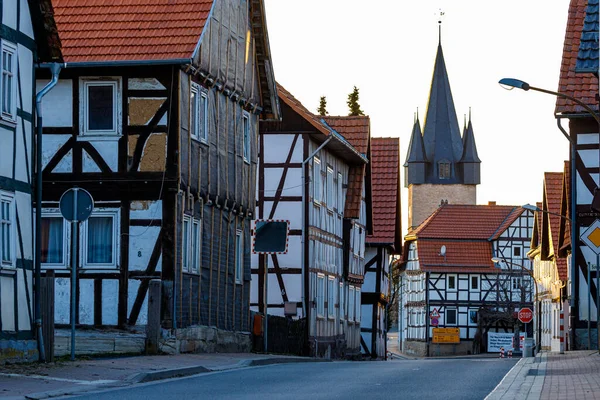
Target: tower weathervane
{"type": "Point", "coordinates": [440, 16]}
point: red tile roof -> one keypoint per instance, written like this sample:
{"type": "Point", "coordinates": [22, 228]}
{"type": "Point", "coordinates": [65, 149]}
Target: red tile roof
{"type": "Point", "coordinates": [356, 130]}
{"type": "Point", "coordinates": [565, 243]}
{"type": "Point", "coordinates": [582, 86]}
{"type": "Point", "coordinates": [298, 107]}
{"type": "Point", "coordinates": [454, 221]}
{"type": "Point", "coordinates": [356, 175]}
{"type": "Point", "coordinates": [385, 175]}
{"type": "Point", "coordinates": [553, 182]}
{"type": "Point", "coordinates": [464, 256]}
{"type": "Point", "coordinates": [129, 30]}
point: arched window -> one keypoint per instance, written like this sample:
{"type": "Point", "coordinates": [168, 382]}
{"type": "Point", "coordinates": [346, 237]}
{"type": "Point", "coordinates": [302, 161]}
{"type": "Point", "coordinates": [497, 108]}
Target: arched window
{"type": "Point", "coordinates": [444, 169]}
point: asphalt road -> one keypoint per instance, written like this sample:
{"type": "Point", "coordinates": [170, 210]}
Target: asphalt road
{"type": "Point", "coordinates": [401, 379]}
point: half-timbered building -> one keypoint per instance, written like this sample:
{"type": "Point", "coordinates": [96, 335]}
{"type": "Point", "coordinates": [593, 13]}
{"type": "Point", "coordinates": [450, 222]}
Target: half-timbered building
{"type": "Point", "coordinates": [549, 266]}
{"type": "Point", "coordinates": [448, 273]}
{"type": "Point", "coordinates": [382, 245]}
{"type": "Point", "coordinates": [156, 115]}
{"type": "Point", "coordinates": [24, 41]}
{"type": "Point", "coordinates": [312, 172]}
{"type": "Point", "coordinates": [579, 71]}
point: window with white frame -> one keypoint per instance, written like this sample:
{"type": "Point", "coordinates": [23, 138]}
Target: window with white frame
{"type": "Point", "coordinates": [451, 316]}
{"type": "Point", "coordinates": [331, 297]}
{"type": "Point", "coordinates": [358, 304]}
{"type": "Point", "coordinates": [342, 302]}
{"type": "Point", "coordinates": [517, 283]}
{"type": "Point", "coordinates": [8, 86]}
{"type": "Point", "coordinates": [239, 257]}
{"type": "Point", "coordinates": [198, 113]}
{"type": "Point", "coordinates": [329, 186]}
{"type": "Point", "coordinates": [101, 239]}
{"type": "Point", "coordinates": [351, 303]}
{"type": "Point", "coordinates": [7, 230]}
{"type": "Point", "coordinates": [316, 178]}
{"type": "Point", "coordinates": [474, 283]}
{"type": "Point", "coordinates": [100, 106]}
{"type": "Point", "coordinates": [191, 244]}
{"type": "Point", "coordinates": [320, 295]}
{"type": "Point", "coordinates": [451, 283]}
{"type": "Point", "coordinates": [340, 193]}
{"type": "Point", "coordinates": [54, 240]}
{"type": "Point", "coordinates": [473, 315]}
{"type": "Point", "coordinates": [246, 133]}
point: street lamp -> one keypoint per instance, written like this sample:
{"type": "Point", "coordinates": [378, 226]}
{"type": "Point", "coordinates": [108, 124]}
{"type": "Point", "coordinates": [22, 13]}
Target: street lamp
{"type": "Point", "coordinates": [511, 83]}
{"type": "Point", "coordinates": [497, 261]}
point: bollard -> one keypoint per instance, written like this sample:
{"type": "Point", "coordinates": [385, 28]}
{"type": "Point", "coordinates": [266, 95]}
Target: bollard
{"type": "Point", "coordinates": [509, 353]}
{"type": "Point", "coordinates": [562, 333]}
{"type": "Point", "coordinates": [501, 352]}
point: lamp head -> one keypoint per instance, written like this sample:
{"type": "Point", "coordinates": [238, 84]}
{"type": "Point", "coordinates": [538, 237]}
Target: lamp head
{"type": "Point", "coordinates": [496, 260]}
{"type": "Point", "coordinates": [511, 83]}
{"type": "Point", "coordinates": [531, 207]}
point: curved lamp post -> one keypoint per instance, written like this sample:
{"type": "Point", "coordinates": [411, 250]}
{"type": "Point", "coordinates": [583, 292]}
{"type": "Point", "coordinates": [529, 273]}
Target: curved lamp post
{"type": "Point", "coordinates": [498, 260]}
{"type": "Point", "coordinates": [531, 207]}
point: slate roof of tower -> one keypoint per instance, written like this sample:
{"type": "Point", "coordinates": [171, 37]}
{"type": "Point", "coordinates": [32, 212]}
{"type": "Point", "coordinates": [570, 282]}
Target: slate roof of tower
{"type": "Point", "coordinates": [416, 149]}
{"type": "Point", "coordinates": [385, 162]}
{"type": "Point", "coordinates": [129, 30]}
{"type": "Point", "coordinates": [582, 86]}
{"type": "Point", "coordinates": [587, 57]}
{"type": "Point", "coordinates": [441, 134]}
{"type": "Point", "coordinates": [469, 147]}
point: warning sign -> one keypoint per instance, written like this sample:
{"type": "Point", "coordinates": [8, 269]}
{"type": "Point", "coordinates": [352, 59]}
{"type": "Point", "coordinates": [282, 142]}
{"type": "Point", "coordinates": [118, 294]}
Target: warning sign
{"type": "Point", "coordinates": [446, 335]}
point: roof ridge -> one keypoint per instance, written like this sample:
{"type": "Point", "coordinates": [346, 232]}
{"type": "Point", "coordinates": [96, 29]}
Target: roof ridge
{"type": "Point", "coordinates": [502, 223]}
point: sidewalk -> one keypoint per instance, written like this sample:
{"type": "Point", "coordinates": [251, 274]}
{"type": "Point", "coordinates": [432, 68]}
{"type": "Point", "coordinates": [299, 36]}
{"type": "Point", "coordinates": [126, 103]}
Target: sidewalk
{"type": "Point", "coordinates": [41, 381]}
{"type": "Point", "coordinates": [553, 376]}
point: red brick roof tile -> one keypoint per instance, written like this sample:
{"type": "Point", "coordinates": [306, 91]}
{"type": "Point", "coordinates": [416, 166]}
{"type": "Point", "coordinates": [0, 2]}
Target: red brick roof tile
{"type": "Point", "coordinates": [553, 182]}
{"type": "Point", "coordinates": [582, 86]}
{"type": "Point", "coordinates": [356, 130]}
{"type": "Point", "coordinates": [129, 30]}
{"type": "Point", "coordinates": [565, 243]}
{"type": "Point", "coordinates": [385, 175]}
{"type": "Point", "coordinates": [461, 255]}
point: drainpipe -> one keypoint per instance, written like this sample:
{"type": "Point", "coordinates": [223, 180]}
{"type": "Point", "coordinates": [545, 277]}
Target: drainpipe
{"type": "Point", "coordinates": [55, 70]}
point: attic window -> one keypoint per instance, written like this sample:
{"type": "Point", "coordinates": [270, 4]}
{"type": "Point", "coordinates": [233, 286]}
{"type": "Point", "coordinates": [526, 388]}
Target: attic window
{"type": "Point", "coordinates": [444, 169]}
{"type": "Point", "coordinates": [100, 106]}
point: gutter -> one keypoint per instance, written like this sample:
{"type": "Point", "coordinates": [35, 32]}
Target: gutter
{"type": "Point", "coordinates": [55, 70]}
{"type": "Point", "coordinates": [128, 63]}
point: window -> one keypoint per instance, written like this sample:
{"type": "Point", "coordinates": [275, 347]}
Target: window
{"type": "Point", "coordinates": [358, 305]}
{"type": "Point", "coordinates": [191, 244]}
{"type": "Point", "coordinates": [474, 286]}
{"type": "Point", "coordinates": [54, 241]}
{"type": "Point", "coordinates": [340, 193]}
{"type": "Point", "coordinates": [473, 317]}
{"type": "Point", "coordinates": [246, 127]}
{"type": "Point", "coordinates": [198, 113]}
{"type": "Point", "coordinates": [444, 169]}
{"type": "Point", "coordinates": [100, 239]}
{"type": "Point", "coordinates": [331, 297]}
{"type": "Point", "coordinates": [351, 303]}
{"type": "Point", "coordinates": [320, 295]}
{"type": "Point", "coordinates": [100, 106]}
{"type": "Point", "coordinates": [451, 283]}
{"type": "Point", "coordinates": [451, 316]}
{"type": "Point", "coordinates": [517, 283]}
{"type": "Point", "coordinates": [9, 90]}
{"type": "Point", "coordinates": [239, 257]}
{"type": "Point", "coordinates": [342, 302]}
{"type": "Point", "coordinates": [7, 235]}
{"type": "Point", "coordinates": [329, 187]}
{"type": "Point", "coordinates": [517, 251]}
{"type": "Point", "coordinates": [316, 177]}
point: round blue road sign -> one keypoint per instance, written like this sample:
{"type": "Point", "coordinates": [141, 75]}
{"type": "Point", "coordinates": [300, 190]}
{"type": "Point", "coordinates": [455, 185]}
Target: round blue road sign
{"type": "Point", "coordinates": [76, 204]}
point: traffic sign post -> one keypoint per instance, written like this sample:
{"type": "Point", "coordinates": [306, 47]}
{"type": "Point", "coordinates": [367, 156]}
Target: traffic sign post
{"type": "Point", "coordinates": [75, 205]}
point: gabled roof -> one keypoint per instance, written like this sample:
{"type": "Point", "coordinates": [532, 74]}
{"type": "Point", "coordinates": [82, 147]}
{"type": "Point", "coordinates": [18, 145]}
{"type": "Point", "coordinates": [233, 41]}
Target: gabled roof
{"type": "Point", "coordinates": [583, 86]}
{"type": "Point", "coordinates": [130, 30]}
{"type": "Point", "coordinates": [553, 182]}
{"type": "Point", "coordinates": [456, 221]}
{"type": "Point", "coordinates": [441, 134]}
{"type": "Point", "coordinates": [416, 149]}
{"type": "Point", "coordinates": [356, 129]}
{"type": "Point", "coordinates": [473, 256]}
{"type": "Point", "coordinates": [385, 175]}
{"type": "Point", "coordinates": [564, 241]}
{"type": "Point", "coordinates": [587, 57]}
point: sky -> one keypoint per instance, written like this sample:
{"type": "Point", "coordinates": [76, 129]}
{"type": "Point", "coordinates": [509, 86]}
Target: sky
{"type": "Point", "coordinates": [387, 49]}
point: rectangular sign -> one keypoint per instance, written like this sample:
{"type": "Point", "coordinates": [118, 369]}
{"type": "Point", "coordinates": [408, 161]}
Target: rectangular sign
{"type": "Point", "coordinates": [446, 335]}
{"type": "Point", "coordinates": [497, 340]}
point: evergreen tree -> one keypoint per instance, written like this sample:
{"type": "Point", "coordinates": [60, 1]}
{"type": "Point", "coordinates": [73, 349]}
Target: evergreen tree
{"type": "Point", "coordinates": [353, 106]}
{"type": "Point", "coordinates": [322, 110]}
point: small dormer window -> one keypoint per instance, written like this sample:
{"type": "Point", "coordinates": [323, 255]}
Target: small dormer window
{"type": "Point", "coordinates": [444, 169]}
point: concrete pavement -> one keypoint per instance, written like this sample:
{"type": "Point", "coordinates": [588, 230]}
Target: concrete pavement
{"type": "Point", "coordinates": [41, 381]}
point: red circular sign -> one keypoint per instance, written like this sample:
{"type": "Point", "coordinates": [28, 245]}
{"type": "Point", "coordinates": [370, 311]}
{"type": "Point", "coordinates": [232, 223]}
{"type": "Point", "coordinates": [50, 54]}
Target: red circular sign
{"type": "Point", "coordinates": [525, 315]}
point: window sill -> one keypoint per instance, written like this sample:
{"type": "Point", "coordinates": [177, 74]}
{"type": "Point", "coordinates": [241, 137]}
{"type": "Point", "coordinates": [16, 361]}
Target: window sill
{"type": "Point", "coordinates": [246, 161]}
{"type": "Point", "coordinates": [98, 138]}
{"type": "Point", "coordinates": [7, 122]}
{"type": "Point", "coordinates": [8, 268]}
{"type": "Point", "coordinates": [199, 140]}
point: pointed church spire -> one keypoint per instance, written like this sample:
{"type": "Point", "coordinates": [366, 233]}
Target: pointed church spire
{"type": "Point", "coordinates": [470, 162]}
{"type": "Point", "coordinates": [416, 151]}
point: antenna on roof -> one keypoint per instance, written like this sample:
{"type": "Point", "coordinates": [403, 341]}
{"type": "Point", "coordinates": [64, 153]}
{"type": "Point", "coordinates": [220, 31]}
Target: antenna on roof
{"type": "Point", "coordinates": [440, 19]}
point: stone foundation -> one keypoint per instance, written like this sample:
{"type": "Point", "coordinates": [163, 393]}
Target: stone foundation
{"type": "Point", "coordinates": [97, 342]}
{"type": "Point", "coordinates": [204, 339]}
{"type": "Point", "coordinates": [463, 348]}
{"type": "Point", "coordinates": [13, 351]}
{"type": "Point", "coordinates": [415, 348]}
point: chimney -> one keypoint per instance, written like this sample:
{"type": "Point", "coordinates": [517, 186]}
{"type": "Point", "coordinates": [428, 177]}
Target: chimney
{"type": "Point", "coordinates": [491, 203]}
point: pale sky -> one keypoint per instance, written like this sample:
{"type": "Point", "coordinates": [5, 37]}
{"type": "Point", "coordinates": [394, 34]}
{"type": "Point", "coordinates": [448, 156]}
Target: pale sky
{"type": "Point", "coordinates": [387, 49]}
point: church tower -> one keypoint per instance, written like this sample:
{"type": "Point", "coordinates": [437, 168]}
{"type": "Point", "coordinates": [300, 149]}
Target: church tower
{"type": "Point", "coordinates": [441, 166]}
